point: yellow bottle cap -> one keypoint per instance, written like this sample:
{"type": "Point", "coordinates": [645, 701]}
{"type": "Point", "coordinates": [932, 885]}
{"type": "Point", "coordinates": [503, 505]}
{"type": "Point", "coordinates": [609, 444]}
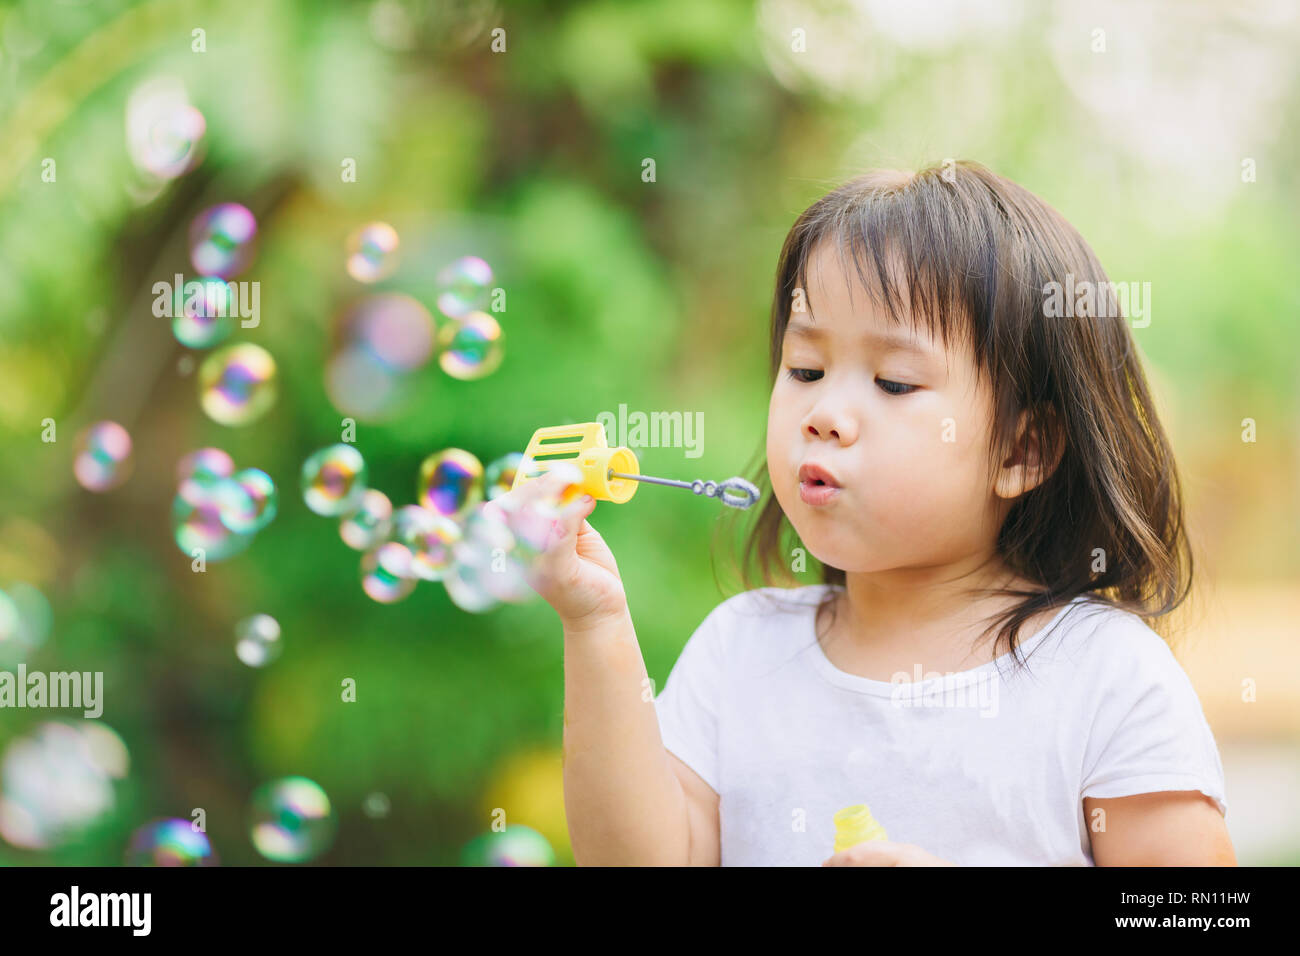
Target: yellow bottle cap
{"type": "Point", "coordinates": [584, 446]}
{"type": "Point", "coordinates": [854, 825]}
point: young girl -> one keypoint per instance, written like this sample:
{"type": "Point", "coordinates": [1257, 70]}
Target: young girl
{"type": "Point", "coordinates": [982, 475]}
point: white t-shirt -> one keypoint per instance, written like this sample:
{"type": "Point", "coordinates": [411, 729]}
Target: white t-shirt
{"type": "Point", "coordinates": [982, 767]}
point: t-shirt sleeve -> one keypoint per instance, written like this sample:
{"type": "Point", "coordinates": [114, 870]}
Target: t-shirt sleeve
{"type": "Point", "coordinates": [691, 699]}
{"type": "Point", "coordinates": [1150, 732]}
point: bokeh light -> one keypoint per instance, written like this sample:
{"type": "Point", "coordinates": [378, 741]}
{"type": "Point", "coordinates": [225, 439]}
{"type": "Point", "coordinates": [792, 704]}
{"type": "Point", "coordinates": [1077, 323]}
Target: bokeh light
{"type": "Point", "coordinates": [516, 845]}
{"type": "Point", "coordinates": [499, 476]}
{"type": "Point", "coordinates": [430, 538]}
{"type": "Point", "coordinates": [370, 523]}
{"type": "Point", "coordinates": [263, 500]}
{"type": "Point", "coordinates": [380, 342]}
{"type": "Point", "coordinates": [386, 573]}
{"type": "Point", "coordinates": [199, 513]}
{"type": "Point", "coordinates": [202, 312]}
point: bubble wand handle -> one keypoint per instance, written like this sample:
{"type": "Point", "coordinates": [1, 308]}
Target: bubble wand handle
{"type": "Point", "coordinates": [734, 492]}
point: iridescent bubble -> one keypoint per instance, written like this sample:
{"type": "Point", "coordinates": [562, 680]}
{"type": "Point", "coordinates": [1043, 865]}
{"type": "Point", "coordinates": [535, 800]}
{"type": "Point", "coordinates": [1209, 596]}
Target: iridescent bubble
{"type": "Point", "coordinates": [198, 516]}
{"type": "Point", "coordinates": [370, 523]}
{"type": "Point", "coordinates": [171, 842]}
{"type": "Point", "coordinates": [516, 845]}
{"type": "Point", "coordinates": [372, 252]}
{"type": "Point", "coordinates": [451, 482]}
{"type": "Point", "coordinates": [25, 619]}
{"type": "Point", "coordinates": [380, 341]}
{"type": "Point", "coordinates": [472, 347]}
{"type": "Point", "coordinates": [201, 312]}
{"type": "Point", "coordinates": [164, 132]}
{"type": "Point", "coordinates": [222, 240]}
{"type": "Point", "coordinates": [292, 820]}
{"type": "Point", "coordinates": [499, 477]}
{"type": "Point", "coordinates": [237, 384]}
{"type": "Point", "coordinates": [386, 574]}
{"type": "Point", "coordinates": [490, 541]}
{"type": "Point", "coordinates": [210, 461]}
{"type": "Point", "coordinates": [334, 480]}
{"type": "Point", "coordinates": [466, 580]}
{"type": "Point", "coordinates": [103, 456]}
{"type": "Point", "coordinates": [430, 538]}
{"type": "Point", "coordinates": [57, 781]}
{"type": "Point", "coordinates": [263, 501]}
{"type": "Point", "coordinates": [257, 640]}
{"type": "Point", "coordinates": [376, 805]}
{"type": "Point", "coordinates": [463, 286]}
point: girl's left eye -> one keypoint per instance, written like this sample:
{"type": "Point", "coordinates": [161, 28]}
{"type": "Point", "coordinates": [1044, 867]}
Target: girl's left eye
{"type": "Point", "coordinates": [898, 387]}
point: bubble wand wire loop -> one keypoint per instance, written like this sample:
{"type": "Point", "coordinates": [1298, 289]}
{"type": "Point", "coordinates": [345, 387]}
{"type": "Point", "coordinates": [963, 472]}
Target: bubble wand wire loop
{"type": "Point", "coordinates": [734, 492]}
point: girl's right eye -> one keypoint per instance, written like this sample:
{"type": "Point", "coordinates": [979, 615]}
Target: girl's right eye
{"type": "Point", "coordinates": [798, 374]}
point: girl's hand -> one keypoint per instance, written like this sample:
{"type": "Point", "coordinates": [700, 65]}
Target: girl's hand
{"type": "Point", "coordinates": [885, 853]}
{"type": "Point", "coordinates": [575, 572]}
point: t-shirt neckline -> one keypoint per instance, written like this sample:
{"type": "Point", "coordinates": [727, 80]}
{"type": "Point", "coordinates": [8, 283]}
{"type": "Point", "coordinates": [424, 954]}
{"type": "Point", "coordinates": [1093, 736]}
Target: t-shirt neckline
{"type": "Point", "coordinates": [880, 688]}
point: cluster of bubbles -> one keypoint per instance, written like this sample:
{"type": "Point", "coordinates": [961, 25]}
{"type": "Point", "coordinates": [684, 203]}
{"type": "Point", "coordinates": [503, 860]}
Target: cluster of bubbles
{"type": "Point", "coordinates": [383, 340]}
{"type": "Point", "coordinates": [58, 781]}
{"type": "Point", "coordinates": [223, 240]}
{"type": "Point", "coordinates": [516, 845]}
{"type": "Point", "coordinates": [257, 640]}
{"type": "Point", "coordinates": [102, 456]}
{"type": "Point", "coordinates": [481, 554]}
{"type": "Point", "coordinates": [218, 509]}
{"type": "Point", "coordinates": [291, 820]}
{"type": "Point", "coordinates": [171, 842]}
{"type": "Point", "coordinates": [25, 619]}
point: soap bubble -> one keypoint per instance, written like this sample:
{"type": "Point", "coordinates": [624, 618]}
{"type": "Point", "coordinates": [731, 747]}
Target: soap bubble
{"type": "Point", "coordinates": [430, 538]}
{"type": "Point", "coordinates": [198, 516]}
{"type": "Point", "coordinates": [237, 384]}
{"type": "Point", "coordinates": [466, 581]}
{"type": "Point", "coordinates": [25, 619]}
{"type": "Point", "coordinates": [164, 132]}
{"type": "Point", "coordinates": [451, 482]}
{"type": "Point", "coordinates": [222, 240]}
{"type": "Point", "coordinates": [103, 456]}
{"type": "Point", "coordinates": [380, 342]}
{"type": "Point", "coordinates": [171, 842]}
{"type": "Point", "coordinates": [370, 523]}
{"type": "Point", "coordinates": [210, 461]}
{"type": "Point", "coordinates": [334, 480]}
{"type": "Point", "coordinates": [292, 820]}
{"type": "Point", "coordinates": [499, 477]}
{"type": "Point", "coordinates": [472, 347]}
{"type": "Point", "coordinates": [257, 640]}
{"type": "Point", "coordinates": [372, 252]}
{"type": "Point", "coordinates": [201, 312]}
{"type": "Point", "coordinates": [386, 574]}
{"type": "Point", "coordinates": [488, 540]}
{"type": "Point", "coordinates": [263, 502]}
{"type": "Point", "coordinates": [57, 781]}
{"type": "Point", "coordinates": [516, 845]}
{"type": "Point", "coordinates": [463, 286]}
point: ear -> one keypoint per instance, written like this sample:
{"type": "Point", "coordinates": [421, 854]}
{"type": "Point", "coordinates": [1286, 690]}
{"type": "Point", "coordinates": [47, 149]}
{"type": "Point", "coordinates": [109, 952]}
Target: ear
{"type": "Point", "coordinates": [1030, 463]}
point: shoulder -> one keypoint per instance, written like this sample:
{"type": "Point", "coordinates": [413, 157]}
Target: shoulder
{"type": "Point", "coordinates": [747, 619]}
{"type": "Point", "coordinates": [1114, 641]}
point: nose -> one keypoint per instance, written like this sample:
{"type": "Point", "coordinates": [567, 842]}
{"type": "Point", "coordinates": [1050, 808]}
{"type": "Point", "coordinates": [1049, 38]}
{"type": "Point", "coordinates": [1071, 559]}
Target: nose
{"type": "Point", "coordinates": [831, 424]}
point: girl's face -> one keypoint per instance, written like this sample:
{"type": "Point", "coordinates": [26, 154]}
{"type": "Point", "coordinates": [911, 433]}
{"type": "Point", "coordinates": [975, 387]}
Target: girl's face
{"type": "Point", "coordinates": [898, 421]}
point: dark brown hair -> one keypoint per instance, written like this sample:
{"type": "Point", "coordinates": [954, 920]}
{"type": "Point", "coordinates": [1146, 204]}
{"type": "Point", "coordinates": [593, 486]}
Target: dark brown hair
{"type": "Point", "coordinates": [971, 254]}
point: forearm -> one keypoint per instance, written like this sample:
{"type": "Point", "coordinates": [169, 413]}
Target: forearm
{"type": "Point", "coordinates": [624, 804]}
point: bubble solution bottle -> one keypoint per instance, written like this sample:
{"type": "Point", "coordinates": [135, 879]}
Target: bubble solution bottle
{"type": "Point", "coordinates": [854, 825]}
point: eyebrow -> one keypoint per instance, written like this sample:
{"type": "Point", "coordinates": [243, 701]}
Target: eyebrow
{"type": "Point", "coordinates": [884, 340]}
